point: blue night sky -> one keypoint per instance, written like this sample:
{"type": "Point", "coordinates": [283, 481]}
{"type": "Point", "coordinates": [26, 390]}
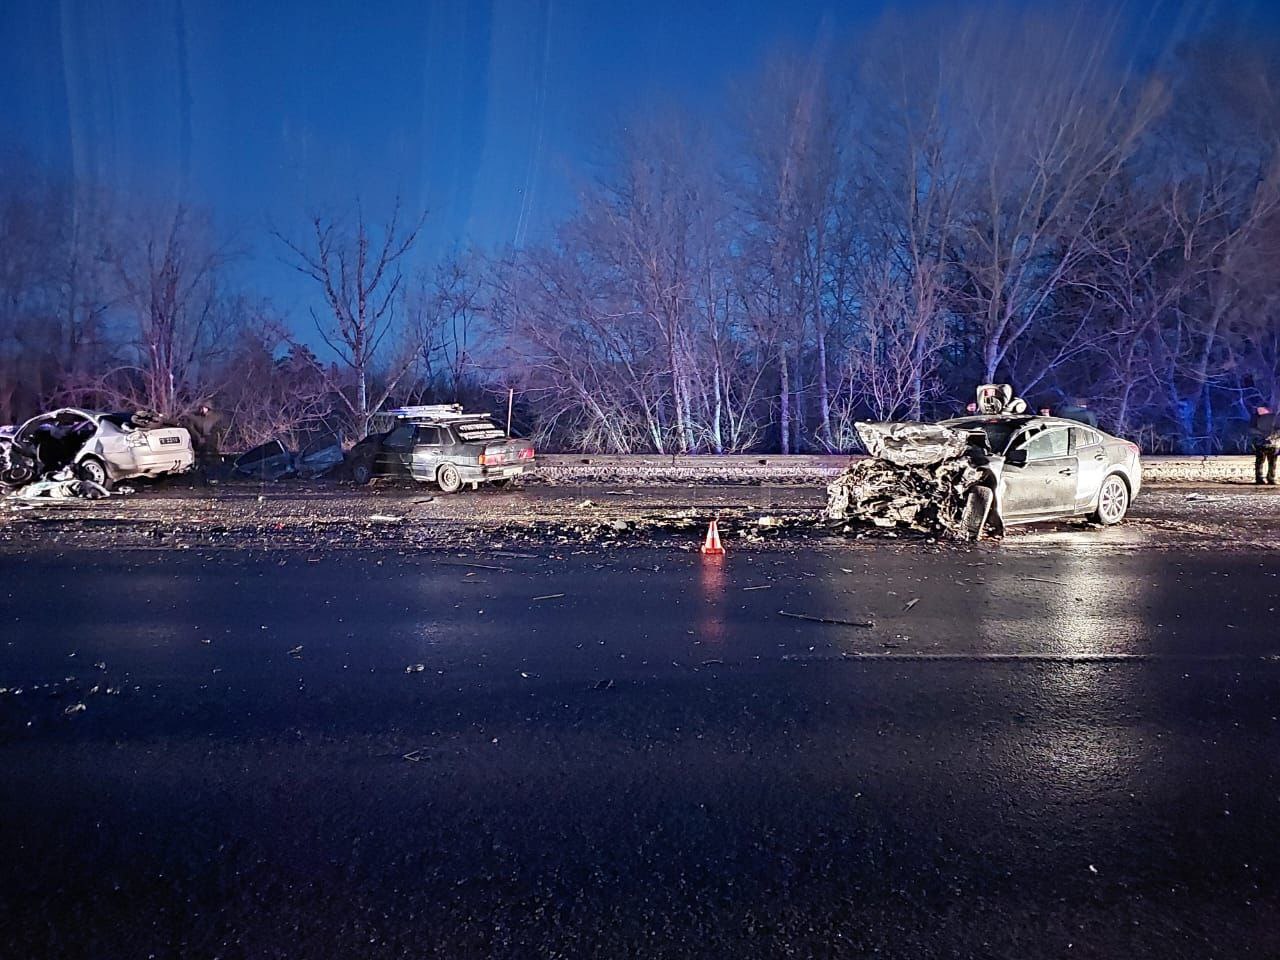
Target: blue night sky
{"type": "Point", "coordinates": [485, 113]}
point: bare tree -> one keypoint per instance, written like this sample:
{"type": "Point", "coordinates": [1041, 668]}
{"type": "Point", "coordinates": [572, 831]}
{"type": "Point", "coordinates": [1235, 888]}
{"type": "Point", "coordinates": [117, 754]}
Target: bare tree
{"type": "Point", "coordinates": [361, 278]}
{"type": "Point", "coordinates": [791, 140]}
{"type": "Point", "coordinates": [446, 305]}
{"type": "Point", "coordinates": [1049, 120]}
{"type": "Point", "coordinates": [167, 265]}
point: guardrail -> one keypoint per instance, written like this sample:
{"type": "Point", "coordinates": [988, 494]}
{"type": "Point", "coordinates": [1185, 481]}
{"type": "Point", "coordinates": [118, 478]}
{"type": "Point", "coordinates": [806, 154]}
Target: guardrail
{"type": "Point", "coordinates": [809, 468]}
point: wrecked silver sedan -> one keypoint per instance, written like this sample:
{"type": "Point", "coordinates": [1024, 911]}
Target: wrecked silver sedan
{"type": "Point", "coordinates": [973, 474]}
{"type": "Point", "coordinates": [98, 447]}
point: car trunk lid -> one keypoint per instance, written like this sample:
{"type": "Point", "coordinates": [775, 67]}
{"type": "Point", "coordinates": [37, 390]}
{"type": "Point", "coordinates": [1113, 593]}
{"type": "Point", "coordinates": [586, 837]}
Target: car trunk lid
{"type": "Point", "coordinates": [157, 438]}
{"type": "Point", "coordinates": [500, 453]}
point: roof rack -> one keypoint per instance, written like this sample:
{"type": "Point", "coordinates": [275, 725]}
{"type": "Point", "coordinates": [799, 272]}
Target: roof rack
{"type": "Point", "coordinates": [434, 411]}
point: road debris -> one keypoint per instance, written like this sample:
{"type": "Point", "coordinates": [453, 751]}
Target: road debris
{"type": "Point", "coordinates": [1196, 497]}
{"type": "Point", "coordinates": [831, 620]}
{"type": "Point", "coordinates": [60, 486]}
{"type": "Point", "coordinates": [548, 596]}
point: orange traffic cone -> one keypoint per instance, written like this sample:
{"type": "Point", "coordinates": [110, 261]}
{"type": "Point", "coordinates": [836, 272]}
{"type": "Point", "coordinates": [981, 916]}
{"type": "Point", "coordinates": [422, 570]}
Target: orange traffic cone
{"type": "Point", "coordinates": [713, 547]}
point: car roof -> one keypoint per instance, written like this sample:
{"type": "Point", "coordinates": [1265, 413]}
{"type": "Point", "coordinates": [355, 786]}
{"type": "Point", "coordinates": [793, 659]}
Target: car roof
{"type": "Point", "coordinates": [1016, 419]}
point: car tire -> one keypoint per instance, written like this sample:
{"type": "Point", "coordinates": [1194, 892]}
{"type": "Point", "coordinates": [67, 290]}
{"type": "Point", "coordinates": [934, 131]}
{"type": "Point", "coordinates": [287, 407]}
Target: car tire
{"type": "Point", "coordinates": [1113, 501]}
{"type": "Point", "coordinates": [361, 472]}
{"type": "Point", "coordinates": [95, 471]}
{"type": "Point", "coordinates": [977, 508]}
{"type": "Point", "coordinates": [449, 479]}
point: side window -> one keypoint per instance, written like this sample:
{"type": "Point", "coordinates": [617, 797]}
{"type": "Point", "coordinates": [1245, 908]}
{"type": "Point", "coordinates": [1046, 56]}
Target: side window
{"type": "Point", "coordinates": [446, 436]}
{"type": "Point", "coordinates": [1082, 437]}
{"type": "Point", "coordinates": [399, 438]}
{"type": "Point", "coordinates": [428, 435]}
{"type": "Point", "coordinates": [1047, 445]}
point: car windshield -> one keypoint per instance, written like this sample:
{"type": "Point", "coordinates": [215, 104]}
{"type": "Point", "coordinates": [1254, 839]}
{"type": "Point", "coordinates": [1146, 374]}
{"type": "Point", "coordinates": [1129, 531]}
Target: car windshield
{"type": "Point", "coordinates": [997, 430]}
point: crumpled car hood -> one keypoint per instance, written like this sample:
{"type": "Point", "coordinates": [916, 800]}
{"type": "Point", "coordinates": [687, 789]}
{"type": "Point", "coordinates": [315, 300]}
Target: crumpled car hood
{"type": "Point", "coordinates": [912, 444]}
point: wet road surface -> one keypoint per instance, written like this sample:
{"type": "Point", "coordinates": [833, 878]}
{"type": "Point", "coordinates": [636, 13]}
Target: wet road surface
{"type": "Point", "coordinates": [1059, 749]}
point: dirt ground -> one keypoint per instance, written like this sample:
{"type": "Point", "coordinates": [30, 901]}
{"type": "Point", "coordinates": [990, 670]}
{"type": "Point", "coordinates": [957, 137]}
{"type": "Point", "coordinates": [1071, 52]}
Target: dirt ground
{"type": "Point", "coordinates": [327, 515]}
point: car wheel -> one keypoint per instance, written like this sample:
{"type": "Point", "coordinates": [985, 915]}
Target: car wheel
{"type": "Point", "coordinates": [1113, 501]}
{"type": "Point", "coordinates": [449, 479]}
{"type": "Point", "coordinates": [361, 472]}
{"type": "Point", "coordinates": [977, 507]}
{"type": "Point", "coordinates": [95, 471]}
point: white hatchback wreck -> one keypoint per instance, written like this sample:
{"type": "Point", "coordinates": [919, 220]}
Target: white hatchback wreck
{"type": "Point", "coordinates": [99, 447]}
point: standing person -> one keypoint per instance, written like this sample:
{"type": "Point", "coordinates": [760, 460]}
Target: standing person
{"type": "Point", "coordinates": [1078, 410]}
{"type": "Point", "coordinates": [205, 427]}
{"type": "Point", "coordinates": [1266, 444]}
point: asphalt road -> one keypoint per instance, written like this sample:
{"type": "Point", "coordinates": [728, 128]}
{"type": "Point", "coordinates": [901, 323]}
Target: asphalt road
{"type": "Point", "coordinates": [1048, 747]}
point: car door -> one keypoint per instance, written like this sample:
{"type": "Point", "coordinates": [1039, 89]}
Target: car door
{"type": "Point", "coordinates": [395, 452]}
{"type": "Point", "coordinates": [427, 452]}
{"type": "Point", "coordinates": [1091, 461]}
{"type": "Point", "coordinates": [1040, 476]}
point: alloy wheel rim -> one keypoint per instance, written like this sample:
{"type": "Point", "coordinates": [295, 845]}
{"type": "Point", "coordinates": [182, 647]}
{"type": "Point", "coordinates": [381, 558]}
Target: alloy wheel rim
{"type": "Point", "coordinates": [1112, 499]}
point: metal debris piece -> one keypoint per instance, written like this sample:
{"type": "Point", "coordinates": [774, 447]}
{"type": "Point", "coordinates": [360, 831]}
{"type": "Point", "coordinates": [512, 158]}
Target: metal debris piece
{"type": "Point", "coordinates": [831, 620]}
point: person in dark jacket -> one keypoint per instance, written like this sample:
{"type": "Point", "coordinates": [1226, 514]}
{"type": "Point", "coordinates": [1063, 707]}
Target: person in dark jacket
{"type": "Point", "coordinates": [206, 428]}
{"type": "Point", "coordinates": [1265, 436]}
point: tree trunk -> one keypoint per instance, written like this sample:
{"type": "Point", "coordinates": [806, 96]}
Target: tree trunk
{"type": "Point", "coordinates": [784, 398]}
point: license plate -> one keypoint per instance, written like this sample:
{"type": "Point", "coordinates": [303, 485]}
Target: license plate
{"type": "Point", "coordinates": [170, 439]}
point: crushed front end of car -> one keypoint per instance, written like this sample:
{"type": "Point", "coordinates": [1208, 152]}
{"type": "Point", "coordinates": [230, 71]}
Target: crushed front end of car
{"type": "Point", "coordinates": [919, 477]}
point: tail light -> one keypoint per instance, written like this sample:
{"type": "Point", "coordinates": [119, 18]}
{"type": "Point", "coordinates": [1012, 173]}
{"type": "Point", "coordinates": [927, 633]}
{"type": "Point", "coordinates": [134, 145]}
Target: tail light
{"type": "Point", "coordinates": [526, 453]}
{"type": "Point", "coordinates": [482, 460]}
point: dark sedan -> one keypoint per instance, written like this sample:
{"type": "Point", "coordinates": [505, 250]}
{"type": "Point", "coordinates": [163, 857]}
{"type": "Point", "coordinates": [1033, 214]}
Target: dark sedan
{"type": "Point", "coordinates": [448, 449]}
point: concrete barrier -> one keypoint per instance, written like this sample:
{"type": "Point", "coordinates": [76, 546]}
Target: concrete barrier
{"type": "Point", "coordinates": [807, 468]}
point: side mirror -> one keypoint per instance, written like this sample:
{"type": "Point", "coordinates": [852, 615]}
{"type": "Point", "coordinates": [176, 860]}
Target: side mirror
{"type": "Point", "coordinates": [1016, 458]}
